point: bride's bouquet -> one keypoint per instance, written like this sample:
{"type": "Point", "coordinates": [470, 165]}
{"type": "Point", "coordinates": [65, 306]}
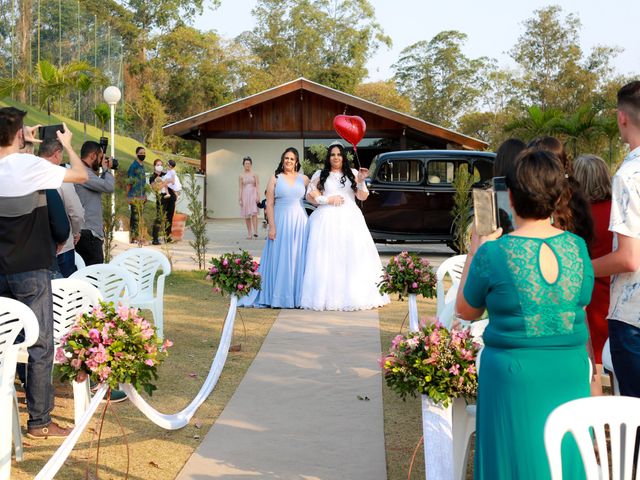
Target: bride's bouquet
{"type": "Point", "coordinates": [234, 274]}
{"type": "Point", "coordinates": [406, 274]}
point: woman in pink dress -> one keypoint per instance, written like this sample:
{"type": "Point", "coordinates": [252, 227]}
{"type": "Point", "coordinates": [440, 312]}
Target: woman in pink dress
{"type": "Point", "coordinates": [248, 198]}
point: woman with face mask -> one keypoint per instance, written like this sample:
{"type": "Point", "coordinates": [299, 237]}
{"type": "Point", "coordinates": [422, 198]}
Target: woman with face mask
{"type": "Point", "coordinates": [163, 200]}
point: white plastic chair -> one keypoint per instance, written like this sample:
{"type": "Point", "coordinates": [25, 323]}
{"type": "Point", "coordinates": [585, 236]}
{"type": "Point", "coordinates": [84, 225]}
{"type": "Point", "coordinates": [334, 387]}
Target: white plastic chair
{"type": "Point", "coordinates": [114, 283]}
{"type": "Point", "coordinates": [453, 267]}
{"type": "Point", "coordinates": [586, 418]}
{"type": "Point", "coordinates": [607, 366]}
{"type": "Point", "coordinates": [143, 264]}
{"type": "Point", "coordinates": [70, 298]}
{"type": "Point", "coordinates": [79, 261]}
{"type": "Point", "coordinates": [14, 317]}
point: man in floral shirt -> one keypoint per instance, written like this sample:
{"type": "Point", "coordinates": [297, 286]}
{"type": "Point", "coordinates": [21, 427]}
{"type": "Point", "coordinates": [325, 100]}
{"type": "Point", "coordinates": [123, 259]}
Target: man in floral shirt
{"type": "Point", "coordinates": [623, 264]}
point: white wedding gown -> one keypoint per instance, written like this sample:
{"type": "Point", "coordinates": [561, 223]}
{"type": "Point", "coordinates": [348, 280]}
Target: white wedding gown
{"type": "Point", "coordinates": [343, 267]}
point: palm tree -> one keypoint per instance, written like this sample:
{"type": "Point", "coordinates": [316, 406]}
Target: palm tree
{"type": "Point", "coordinates": [580, 125]}
{"type": "Point", "coordinates": [608, 126]}
{"type": "Point", "coordinates": [84, 84]}
{"type": "Point", "coordinates": [534, 123]}
{"type": "Point", "coordinates": [103, 114]}
{"type": "Point", "coordinates": [54, 82]}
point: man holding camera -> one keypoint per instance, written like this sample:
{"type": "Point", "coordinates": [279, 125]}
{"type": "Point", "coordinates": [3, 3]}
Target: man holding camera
{"type": "Point", "coordinates": [25, 255]}
{"type": "Point", "coordinates": [91, 234]}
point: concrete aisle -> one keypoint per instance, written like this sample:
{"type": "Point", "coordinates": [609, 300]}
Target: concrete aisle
{"type": "Point", "coordinates": [296, 414]}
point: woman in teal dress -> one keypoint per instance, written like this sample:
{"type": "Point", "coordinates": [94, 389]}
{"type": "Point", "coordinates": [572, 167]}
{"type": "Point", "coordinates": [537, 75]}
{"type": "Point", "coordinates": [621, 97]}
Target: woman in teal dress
{"type": "Point", "coordinates": [283, 258]}
{"type": "Point", "coordinates": [535, 283]}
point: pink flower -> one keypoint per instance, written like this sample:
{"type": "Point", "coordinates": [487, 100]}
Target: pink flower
{"type": "Point", "coordinates": [471, 369]}
{"type": "Point", "coordinates": [213, 270]}
{"type": "Point", "coordinates": [434, 338]}
{"type": "Point", "coordinates": [225, 262]}
{"type": "Point", "coordinates": [237, 261]}
{"type": "Point", "coordinates": [398, 339]}
{"type": "Point", "coordinates": [217, 290]}
{"type": "Point", "coordinates": [413, 342]}
{"type": "Point", "coordinates": [414, 285]}
{"type": "Point", "coordinates": [123, 312]}
{"type": "Point", "coordinates": [240, 286]}
{"type": "Point", "coordinates": [455, 369]}
{"type": "Point", "coordinates": [76, 363]}
{"type": "Point", "coordinates": [104, 373]}
{"type": "Point", "coordinates": [149, 362]}
{"type": "Point", "coordinates": [94, 335]}
{"type": "Point", "coordinates": [166, 344]}
{"type": "Point", "coordinates": [60, 356]}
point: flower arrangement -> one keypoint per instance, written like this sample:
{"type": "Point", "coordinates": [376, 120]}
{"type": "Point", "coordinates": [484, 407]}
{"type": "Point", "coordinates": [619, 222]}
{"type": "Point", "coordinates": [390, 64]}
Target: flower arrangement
{"type": "Point", "coordinates": [112, 345]}
{"type": "Point", "coordinates": [234, 273]}
{"type": "Point", "coordinates": [432, 361]}
{"type": "Point", "coordinates": [408, 273]}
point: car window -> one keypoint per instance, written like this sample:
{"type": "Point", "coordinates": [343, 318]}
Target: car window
{"type": "Point", "coordinates": [482, 170]}
{"type": "Point", "coordinates": [441, 172]}
{"type": "Point", "coordinates": [404, 171]}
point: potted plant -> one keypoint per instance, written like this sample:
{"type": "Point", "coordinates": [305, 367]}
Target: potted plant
{"type": "Point", "coordinates": [409, 275]}
{"type": "Point", "coordinates": [440, 365]}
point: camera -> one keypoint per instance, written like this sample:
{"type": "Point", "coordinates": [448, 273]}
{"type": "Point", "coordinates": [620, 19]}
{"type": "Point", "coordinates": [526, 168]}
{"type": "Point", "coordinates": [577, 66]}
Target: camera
{"type": "Point", "coordinates": [104, 143]}
{"type": "Point", "coordinates": [49, 131]}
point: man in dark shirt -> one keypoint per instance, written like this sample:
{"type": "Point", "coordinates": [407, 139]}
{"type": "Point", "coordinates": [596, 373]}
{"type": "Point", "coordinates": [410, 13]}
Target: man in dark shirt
{"type": "Point", "coordinates": [136, 195]}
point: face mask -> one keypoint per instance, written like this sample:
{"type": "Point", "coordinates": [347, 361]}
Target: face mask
{"type": "Point", "coordinates": [142, 157]}
{"type": "Point", "coordinates": [158, 168]}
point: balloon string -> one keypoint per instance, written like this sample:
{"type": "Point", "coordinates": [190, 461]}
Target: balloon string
{"type": "Point", "coordinates": [355, 152]}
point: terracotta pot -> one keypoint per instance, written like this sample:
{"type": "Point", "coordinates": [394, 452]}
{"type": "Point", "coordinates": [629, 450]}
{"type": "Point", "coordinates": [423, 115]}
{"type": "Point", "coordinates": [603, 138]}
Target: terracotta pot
{"type": "Point", "coordinates": [178, 225]}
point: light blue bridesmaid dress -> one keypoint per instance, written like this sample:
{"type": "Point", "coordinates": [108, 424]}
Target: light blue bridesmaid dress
{"type": "Point", "coordinates": [282, 261]}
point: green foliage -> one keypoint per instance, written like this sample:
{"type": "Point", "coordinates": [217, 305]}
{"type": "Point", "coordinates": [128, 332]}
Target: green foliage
{"type": "Point", "coordinates": [109, 216]}
{"type": "Point", "coordinates": [328, 42]}
{"type": "Point", "coordinates": [534, 122]}
{"type": "Point", "coordinates": [112, 346]}
{"type": "Point", "coordinates": [432, 361]}
{"type": "Point", "coordinates": [384, 93]}
{"type": "Point", "coordinates": [234, 274]}
{"type": "Point", "coordinates": [406, 274]}
{"type": "Point", "coordinates": [197, 221]}
{"type": "Point", "coordinates": [462, 207]}
{"type": "Point", "coordinates": [440, 80]}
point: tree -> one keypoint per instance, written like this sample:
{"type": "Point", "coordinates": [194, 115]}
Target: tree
{"type": "Point", "coordinates": [191, 71]}
{"type": "Point", "coordinates": [103, 114]}
{"type": "Point", "coordinates": [54, 82]}
{"type": "Point", "coordinates": [580, 126]}
{"type": "Point", "coordinates": [322, 40]}
{"type": "Point", "coordinates": [440, 80]}
{"type": "Point", "coordinates": [534, 123]}
{"type": "Point", "coordinates": [384, 93]}
{"type": "Point", "coordinates": [555, 74]}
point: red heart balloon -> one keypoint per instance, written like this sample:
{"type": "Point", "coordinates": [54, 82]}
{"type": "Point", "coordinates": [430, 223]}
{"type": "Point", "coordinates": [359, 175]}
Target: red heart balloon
{"type": "Point", "coordinates": [350, 127]}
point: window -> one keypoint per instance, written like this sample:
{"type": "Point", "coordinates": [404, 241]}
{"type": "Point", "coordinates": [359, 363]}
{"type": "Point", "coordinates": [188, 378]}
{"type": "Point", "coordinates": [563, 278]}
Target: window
{"type": "Point", "coordinates": [404, 171]}
{"type": "Point", "coordinates": [442, 171]}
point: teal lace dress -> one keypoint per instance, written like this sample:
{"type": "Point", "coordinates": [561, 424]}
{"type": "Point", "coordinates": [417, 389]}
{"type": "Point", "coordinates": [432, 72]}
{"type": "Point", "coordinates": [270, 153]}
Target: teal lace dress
{"type": "Point", "coordinates": [535, 354]}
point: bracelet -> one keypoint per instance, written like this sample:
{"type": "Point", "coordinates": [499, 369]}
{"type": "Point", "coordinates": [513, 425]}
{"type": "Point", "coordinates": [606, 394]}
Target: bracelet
{"type": "Point", "coordinates": [322, 200]}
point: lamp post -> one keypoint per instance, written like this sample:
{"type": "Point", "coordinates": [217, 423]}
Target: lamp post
{"type": "Point", "coordinates": [112, 96]}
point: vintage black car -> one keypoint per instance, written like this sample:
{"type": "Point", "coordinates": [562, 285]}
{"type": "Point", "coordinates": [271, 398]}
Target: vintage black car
{"type": "Point", "coordinates": [411, 193]}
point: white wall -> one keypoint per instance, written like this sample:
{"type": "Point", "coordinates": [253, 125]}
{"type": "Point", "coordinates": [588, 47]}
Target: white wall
{"type": "Point", "coordinates": [224, 166]}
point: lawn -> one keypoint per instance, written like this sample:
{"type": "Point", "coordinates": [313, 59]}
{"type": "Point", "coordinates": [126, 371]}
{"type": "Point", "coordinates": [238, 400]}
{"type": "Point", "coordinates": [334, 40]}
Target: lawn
{"type": "Point", "coordinates": [193, 320]}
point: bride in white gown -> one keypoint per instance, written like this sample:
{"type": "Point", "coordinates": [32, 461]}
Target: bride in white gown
{"type": "Point", "coordinates": [343, 267]}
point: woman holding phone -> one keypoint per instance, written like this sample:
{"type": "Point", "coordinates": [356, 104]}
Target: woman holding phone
{"type": "Point", "coordinates": [343, 268]}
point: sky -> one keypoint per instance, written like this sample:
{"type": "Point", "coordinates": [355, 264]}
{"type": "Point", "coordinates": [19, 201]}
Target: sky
{"type": "Point", "coordinates": [492, 26]}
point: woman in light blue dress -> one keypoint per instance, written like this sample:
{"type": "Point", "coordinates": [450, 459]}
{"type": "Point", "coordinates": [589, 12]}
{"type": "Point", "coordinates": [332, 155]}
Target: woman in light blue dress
{"type": "Point", "coordinates": [283, 257]}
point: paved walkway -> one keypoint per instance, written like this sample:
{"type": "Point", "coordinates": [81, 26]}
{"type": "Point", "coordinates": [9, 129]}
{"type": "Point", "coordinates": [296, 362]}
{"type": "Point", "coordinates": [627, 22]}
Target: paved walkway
{"type": "Point", "coordinates": [229, 235]}
{"type": "Point", "coordinates": [297, 414]}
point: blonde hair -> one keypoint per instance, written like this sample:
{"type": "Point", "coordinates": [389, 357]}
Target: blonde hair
{"type": "Point", "coordinates": [593, 175]}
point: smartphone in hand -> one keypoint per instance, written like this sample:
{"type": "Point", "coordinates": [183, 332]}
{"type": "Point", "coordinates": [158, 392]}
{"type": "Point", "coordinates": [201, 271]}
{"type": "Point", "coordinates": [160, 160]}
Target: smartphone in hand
{"type": "Point", "coordinates": [484, 211]}
{"type": "Point", "coordinates": [49, 131]}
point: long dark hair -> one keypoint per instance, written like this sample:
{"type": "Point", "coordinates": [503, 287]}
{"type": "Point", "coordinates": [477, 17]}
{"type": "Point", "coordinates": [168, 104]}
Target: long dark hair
{"type": "Point", "coordinates": [280, 168]}
{"type": "Point", "coordinates": [573, 212]}
{"type": "Point", "coordinates": [346, 168]}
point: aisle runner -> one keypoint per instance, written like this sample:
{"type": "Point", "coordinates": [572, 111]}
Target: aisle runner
{"type": "Point", "coordinates": [296, 413]}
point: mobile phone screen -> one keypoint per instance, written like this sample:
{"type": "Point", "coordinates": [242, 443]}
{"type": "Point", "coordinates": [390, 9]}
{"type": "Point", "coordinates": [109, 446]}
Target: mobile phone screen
{"type": "Point", "coordinates": [49, 131]}
{"type": "Point", "coordinates": [503, 206]}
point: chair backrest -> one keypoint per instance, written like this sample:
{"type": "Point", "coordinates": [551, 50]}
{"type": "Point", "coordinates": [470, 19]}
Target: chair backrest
{"type": "Point", "coordinates": [14, 317]}
{"type": "Point", "coordinates": [607, 365]}
{"type": "Point", "coordinates": [71, 297]}
{"type": "Point", "coordinates": [79, 261]}
{"type": "Point", "coordinates": [453, 267]}
{"type": "Point", "coordinates": [586, 418]}
{"type": "Point", "coordinates": [114, 283]}
{"type": "Point", "coordinates": [143, 264]}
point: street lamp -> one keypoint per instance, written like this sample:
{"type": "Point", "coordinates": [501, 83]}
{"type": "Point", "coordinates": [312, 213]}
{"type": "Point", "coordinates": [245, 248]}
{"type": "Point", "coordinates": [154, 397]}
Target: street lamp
{"type": "Point", "coordinates": [112, 96]}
